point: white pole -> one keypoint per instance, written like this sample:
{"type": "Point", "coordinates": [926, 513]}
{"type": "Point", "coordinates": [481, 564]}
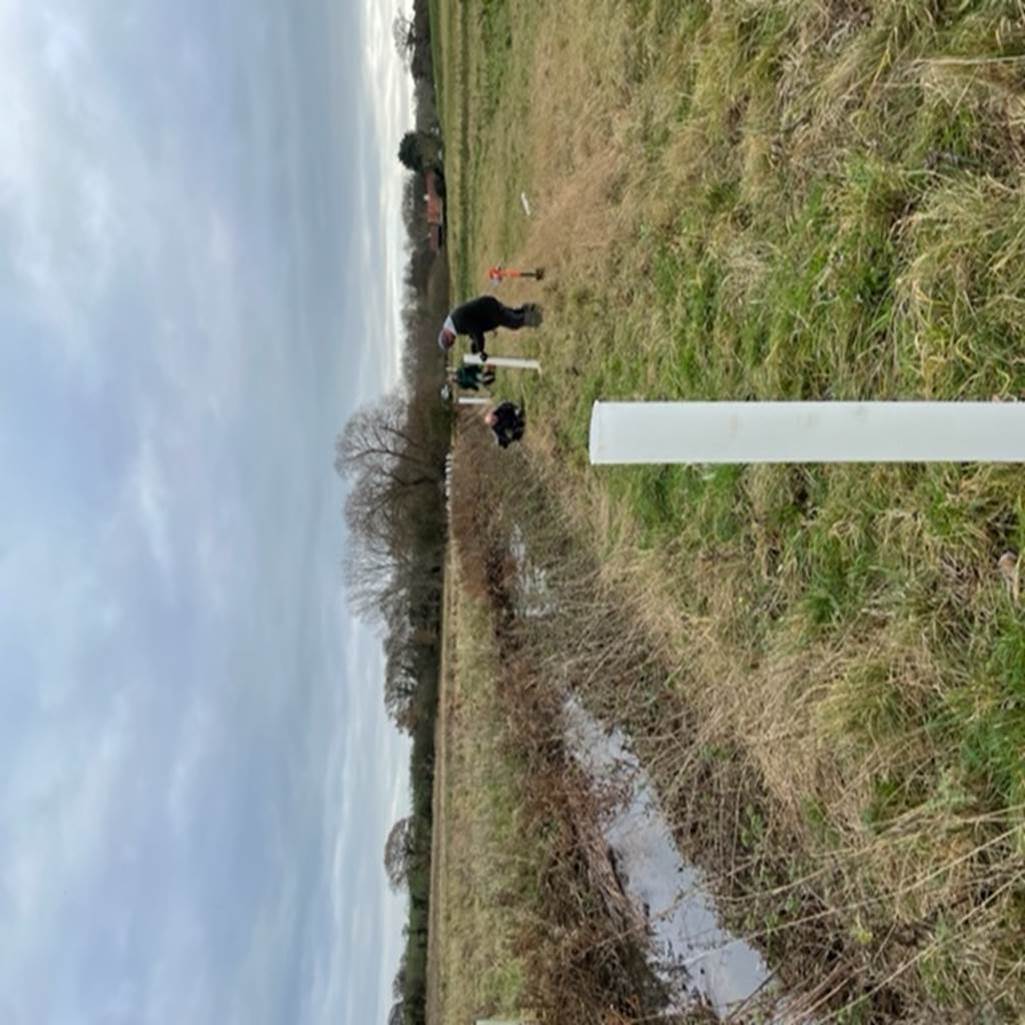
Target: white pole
{"type": "Point", "coordinates": [807, 432]}
{"type": "Point", "coordinates": [513, 363]}
{"type": "Point", "coordinates": [467, 400]}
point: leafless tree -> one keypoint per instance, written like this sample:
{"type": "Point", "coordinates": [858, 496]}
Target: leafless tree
{"type": "Point", "coordinates": [403, 32]}
{"type": "Point", "coordinates": [394, 510]}
{"type": "Point", "coordinates": [398, 852]}
{"type": "Point", "coordinates": [378, 438]}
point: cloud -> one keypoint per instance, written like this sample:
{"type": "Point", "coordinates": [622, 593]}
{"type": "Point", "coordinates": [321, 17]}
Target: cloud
{"type": "Point", "coordinates": [390, 85]}
{"type": "Point", "coordinates": [192, 751]}
{"type": "Point", "coordinates": [151, 496]}
{"type": "Point", "coordinates": [56, 203]}
{"type": "Point", "coordinates": [198, 775]}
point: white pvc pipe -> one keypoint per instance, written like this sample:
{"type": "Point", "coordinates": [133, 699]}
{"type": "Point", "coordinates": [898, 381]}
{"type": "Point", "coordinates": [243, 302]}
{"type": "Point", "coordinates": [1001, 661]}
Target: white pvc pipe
{"type": "Point", "coordinates": [512, 362]}
{"type": "Point", "coordinates": [807, 432]}
{"type": "Point", "coordinates": [467, 400]}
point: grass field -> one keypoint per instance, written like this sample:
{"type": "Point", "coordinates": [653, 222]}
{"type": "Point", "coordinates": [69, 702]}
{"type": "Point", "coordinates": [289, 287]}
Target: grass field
{"type": "Point", "coordinates": [790, 199]}
{"type": "Point", "coordinates": [476, 887]}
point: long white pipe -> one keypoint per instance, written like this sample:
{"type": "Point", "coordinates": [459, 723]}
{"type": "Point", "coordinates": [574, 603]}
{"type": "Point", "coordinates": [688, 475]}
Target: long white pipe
{"type": "Point", "coordinates": [468, 400]}
{"type": "Point", "coordinates": [512, 362]}
{"type": "Point", "coordinates": [807, 432]}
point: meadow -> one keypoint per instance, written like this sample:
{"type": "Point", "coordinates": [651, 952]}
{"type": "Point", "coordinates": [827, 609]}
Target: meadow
{"type": "Point", "coordinates": [805, 199]}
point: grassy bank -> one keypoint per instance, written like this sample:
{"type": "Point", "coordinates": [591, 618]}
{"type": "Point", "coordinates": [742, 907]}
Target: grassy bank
{"type": "Point", "coordinates": [477, 886]}
{"type": "Point", "coordinates": [788, 199]}
{"type": "Point", "coordinates": [527, 913]}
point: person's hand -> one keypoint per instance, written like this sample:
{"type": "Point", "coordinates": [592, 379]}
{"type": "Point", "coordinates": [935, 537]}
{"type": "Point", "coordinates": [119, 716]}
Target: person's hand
{"type": "Point", "coordinates": [483, 357]}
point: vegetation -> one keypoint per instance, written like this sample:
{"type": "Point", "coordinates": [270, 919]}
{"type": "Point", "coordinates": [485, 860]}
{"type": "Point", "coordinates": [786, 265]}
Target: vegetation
{"type": "Point", "coordinates": [393, 456]}
{"type": "Point", "coordinates": [822, 665]}
{"type": "Point", "coordinates": [479, 892]}
{"type": "Point", "coordinates": [528, 910]}
{"type": "Point", "coordinates": [420, 151]}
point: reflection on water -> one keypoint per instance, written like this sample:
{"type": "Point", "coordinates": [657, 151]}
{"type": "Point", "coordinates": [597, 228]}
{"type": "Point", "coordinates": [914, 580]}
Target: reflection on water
{"type": "Point", "coordinates": [694, 956]}
{"type": "Point", "coordinates": [534, 595]}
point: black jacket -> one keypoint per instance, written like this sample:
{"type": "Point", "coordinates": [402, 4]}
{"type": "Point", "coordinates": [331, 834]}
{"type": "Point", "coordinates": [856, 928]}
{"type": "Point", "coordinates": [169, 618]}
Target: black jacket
{"type": "Point", "coordinates": [475, 317]}
{"type": "Point", "coordinates": [509, 423]}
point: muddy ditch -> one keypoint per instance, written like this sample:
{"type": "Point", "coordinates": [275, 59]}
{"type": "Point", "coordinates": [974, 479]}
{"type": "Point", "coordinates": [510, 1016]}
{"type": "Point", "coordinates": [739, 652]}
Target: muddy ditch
{"type": "Point", "coordinates": [718, 915]}
{"type": "Point", "coordinates": [701, 964]}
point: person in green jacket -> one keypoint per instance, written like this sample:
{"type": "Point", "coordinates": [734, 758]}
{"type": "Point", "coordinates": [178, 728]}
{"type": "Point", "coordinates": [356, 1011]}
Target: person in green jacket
{"type": "Point", "coordinates": [471, 377]}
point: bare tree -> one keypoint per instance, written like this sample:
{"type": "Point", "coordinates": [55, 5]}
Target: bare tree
{"type": "Point", "coordinates": [412, 39]}
{"type": "Point", "coordinates": [394, 458]}
{"type": "Point", "coordinates": [398, 852]}
{"type": "Point", "coordinates": [403, 32]}
{"type": "Point", "coordinates": [380, 435]}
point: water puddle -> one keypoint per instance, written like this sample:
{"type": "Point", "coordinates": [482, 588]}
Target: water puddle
{"type": "Point", "coordinates": [534, 596]}
{"type": "Point", "coordinates": [699, 961]}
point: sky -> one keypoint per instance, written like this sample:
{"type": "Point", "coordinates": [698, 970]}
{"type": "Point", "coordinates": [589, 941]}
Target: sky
{"type": "Point", "coordinates": [200, 269]}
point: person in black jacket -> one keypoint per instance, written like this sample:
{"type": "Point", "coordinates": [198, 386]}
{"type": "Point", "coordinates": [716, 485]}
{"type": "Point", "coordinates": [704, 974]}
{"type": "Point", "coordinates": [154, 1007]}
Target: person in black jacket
{"type": "Point", "coordinates": [483, 314]}
{"type": "Point", "coordinates": [507, 422]}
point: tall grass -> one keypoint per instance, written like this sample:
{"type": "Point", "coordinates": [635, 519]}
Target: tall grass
{"type": "Point", "coordinates": [886, 862]}
{"type": "Point", "coordinates": [790, 199]}
{"type": "Point", "coordinates": [531, 914]}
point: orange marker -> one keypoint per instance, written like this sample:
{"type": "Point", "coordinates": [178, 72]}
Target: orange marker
{"type": "Point", "coordinates": [499, 273]}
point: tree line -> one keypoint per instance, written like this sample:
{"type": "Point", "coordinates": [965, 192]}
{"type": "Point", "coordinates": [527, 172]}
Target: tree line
{"type": "Point", "coordinates": [392, 455]}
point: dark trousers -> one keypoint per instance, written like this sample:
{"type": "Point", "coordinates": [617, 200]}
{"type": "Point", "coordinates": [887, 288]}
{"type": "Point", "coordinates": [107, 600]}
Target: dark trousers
{"type": "Point", "coordinates": [511, 317]}
{"type": "Point", "coordinates": [485, 313]}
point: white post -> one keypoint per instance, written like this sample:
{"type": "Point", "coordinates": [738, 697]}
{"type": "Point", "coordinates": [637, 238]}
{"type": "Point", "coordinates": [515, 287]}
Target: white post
{"type": "Point", "coordinates": [468, 400]}
{"type": "Point", "coordinates": [511, 362]}
{"type": "Point", "coordinates": [807, 432]}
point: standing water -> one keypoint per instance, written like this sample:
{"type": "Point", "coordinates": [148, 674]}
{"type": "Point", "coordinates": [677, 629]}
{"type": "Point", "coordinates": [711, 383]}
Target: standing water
{"type": "Point", "coordinates": [694, 956]}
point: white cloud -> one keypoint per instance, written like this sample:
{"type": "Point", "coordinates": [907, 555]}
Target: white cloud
{"type": "Point", "coordinates": [151, 497]}
{"type": "Point", "coordinates": [196, 738]}
{"type": "Point", "coordinates": [61, 797]}
{"type": "Point", "coordinates": [55, 192]}
{"type": "Point", "coordinates": [391, 88]}
{"type": "Point", "coordinates": [54, 599]}
{"type": "Point", "coordinates": [159, 220]}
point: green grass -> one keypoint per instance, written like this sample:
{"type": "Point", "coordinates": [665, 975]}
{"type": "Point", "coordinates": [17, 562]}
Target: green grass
{"type": "Point", "coordinates": [438, 10]}
{"type": "Point", "coordinates": [486, 883]}
{"type": "Point", "coordinates": [799, 200]}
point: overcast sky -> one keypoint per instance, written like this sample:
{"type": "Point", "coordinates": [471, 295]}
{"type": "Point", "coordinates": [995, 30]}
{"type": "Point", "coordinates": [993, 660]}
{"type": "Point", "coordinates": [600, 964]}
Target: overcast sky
{"type": "Point", "coordinates": [200, 252]}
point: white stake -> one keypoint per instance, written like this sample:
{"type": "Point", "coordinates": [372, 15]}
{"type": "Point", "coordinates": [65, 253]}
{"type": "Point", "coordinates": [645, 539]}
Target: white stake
{"type": "Point", "coordinates": [467, 400]}
{"type": "Point", "coordinates": [511, 362]}
{"type": "Point", "coordinates": [807, 432]}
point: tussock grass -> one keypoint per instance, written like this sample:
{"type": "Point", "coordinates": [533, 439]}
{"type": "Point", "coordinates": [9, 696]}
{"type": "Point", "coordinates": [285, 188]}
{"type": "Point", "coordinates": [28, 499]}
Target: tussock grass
{"type": "Point", "coordinates": [531, 915]}
{"type": "Point", "coordinates": [482, 872]}
{"type": "Point", "coordinates": [857, 871]}
{"type": "Point", "coordinates": [787, 199]}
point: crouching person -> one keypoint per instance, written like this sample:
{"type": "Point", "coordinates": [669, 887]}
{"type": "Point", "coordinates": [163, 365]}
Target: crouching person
{"type": "Point", "coordinates": [507, 423]}
{"type": "Point", "coordinates": [471, 377]}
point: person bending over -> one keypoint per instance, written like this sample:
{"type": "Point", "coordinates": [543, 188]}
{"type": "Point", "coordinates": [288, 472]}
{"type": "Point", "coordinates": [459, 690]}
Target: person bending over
{"type": "Point", "coordinates": [485, 313]}
{"type": "Point", "coordinates": [507, 422]}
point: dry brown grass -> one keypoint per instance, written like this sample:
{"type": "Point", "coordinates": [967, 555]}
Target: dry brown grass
{"type": "Point", "coordinates": [530, 913]}
{"type": "Point", "coordinates": [742, 758]}
{"type": "Point", "coordinates": [779, 149]}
